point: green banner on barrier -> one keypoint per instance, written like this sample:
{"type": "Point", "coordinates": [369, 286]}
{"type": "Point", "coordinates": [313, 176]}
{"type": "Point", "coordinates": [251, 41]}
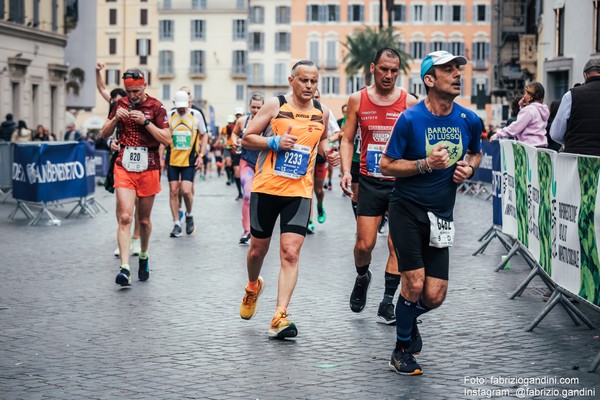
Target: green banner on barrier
{"type": "Point", "coordinates": [551, 204]}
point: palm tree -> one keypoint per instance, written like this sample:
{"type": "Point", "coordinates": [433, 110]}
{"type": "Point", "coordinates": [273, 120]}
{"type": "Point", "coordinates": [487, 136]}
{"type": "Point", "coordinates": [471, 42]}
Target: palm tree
{"type": "Point", "coordinates": [363, 45]}
{"type": "Point", "coordinates": [76, 79]}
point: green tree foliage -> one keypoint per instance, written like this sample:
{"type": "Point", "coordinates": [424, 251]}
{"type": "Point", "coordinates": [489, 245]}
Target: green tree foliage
{"type": "Point", "coordinates": [362, 46]}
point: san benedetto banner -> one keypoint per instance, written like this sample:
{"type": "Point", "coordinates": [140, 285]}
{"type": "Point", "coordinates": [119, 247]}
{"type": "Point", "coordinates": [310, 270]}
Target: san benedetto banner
{"type": "Point", "coordinates": [551, 204]}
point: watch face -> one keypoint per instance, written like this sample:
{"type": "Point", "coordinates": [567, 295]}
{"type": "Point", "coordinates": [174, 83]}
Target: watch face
{"type": "Point", "coordinates": [147, 122]}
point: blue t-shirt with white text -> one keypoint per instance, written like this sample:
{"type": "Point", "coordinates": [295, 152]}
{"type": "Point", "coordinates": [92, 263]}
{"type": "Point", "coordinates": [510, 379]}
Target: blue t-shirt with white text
{"type": "Point", "coordinates": [415, 135]}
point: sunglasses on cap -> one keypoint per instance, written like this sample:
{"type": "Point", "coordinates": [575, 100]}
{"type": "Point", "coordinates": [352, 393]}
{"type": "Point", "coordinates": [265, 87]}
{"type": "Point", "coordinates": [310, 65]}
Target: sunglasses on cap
{"type": "Point", "coordinates": [133, 75]}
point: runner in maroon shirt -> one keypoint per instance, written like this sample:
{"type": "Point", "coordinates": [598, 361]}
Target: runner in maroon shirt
{"type": "Point", "coordinates": [143, 126]}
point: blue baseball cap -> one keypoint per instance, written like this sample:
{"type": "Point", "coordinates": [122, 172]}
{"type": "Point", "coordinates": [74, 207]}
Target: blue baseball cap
{"type": "Point", "coordinates": [440, 57]}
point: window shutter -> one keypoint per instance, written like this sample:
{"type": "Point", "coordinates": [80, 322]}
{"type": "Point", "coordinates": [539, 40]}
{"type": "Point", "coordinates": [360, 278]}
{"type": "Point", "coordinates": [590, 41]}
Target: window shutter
{"type": "Point", "coordinates": [488, 13]}
{"type": "Point", "coordinates": [463, 14]}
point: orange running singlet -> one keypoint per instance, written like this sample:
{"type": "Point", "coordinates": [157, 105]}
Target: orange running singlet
{"type": "Point", "coordinates": [290, 173]}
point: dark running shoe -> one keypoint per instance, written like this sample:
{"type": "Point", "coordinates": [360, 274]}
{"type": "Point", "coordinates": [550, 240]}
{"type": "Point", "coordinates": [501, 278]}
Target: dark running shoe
{"type": "Point", "coordinates": [245, 238]}
{"type": "Point", "coordinates": [176, 232]}
{"type": "Point", "coordinates": [382, 223]}
{"type": "Point", "coordinates": [416, 343]}
{"type": "Point", "coordinates": [143, 270]}
{"type": "Point", "coordinates": [189, 225]}
{"type": "Point", "coordinates": [358, 298]}
{"type": "Point", "coordinates": [404, 363]}
{"type": "Point", "coordinates": [386, 314]}
{"type": "Point", "coordinates": [123, 277]}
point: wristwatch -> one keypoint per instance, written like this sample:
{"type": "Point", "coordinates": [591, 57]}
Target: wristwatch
{"type": "Point", "coordinates": [147, 122]}
{"type": "Point", "coordinates": [472, 170]}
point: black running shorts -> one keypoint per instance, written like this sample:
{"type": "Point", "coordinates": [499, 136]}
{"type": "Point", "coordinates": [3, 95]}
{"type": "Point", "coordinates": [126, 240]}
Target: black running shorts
{"type": "Point", "coordinates": [294, 213]}
{"type": "Point", "coordinates": [183, 173]}
{"type": "Point", "coordinates": [235, 159]}
{"type": "Point", "coordinates": [373, 196]}
{"type": "Point", "coordinates": [409, 229]}
{"type": "Point", "coordinates": [355, 171]}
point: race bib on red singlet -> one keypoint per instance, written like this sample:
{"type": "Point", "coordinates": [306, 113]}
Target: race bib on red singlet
{"type": "Point", "coordinates": [135, 159]}
{"type": "Point", "coordinates": [374, 153]}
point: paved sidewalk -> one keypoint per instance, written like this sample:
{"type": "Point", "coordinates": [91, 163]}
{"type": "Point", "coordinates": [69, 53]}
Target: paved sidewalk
{"type": "Point", "coordinates": [68, 332]}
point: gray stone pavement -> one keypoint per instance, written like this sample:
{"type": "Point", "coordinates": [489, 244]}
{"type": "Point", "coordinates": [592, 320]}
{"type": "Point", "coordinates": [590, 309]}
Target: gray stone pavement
{"type": "Point", "coordinates": [68, 332]}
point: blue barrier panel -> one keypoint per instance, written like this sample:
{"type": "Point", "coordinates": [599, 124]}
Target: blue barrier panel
{"type": "Point", "coordinates": [496, 183]}
{"type": "Point", "coordinates": [45, 172]}
{"type": "Point", "coordinates": [102, 160]}
{"type": "Point", "coordinates": [484, 172]}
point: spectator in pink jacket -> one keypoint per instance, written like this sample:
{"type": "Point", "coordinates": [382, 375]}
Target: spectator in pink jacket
{"type": "Point", "coordinates": [530, 126]}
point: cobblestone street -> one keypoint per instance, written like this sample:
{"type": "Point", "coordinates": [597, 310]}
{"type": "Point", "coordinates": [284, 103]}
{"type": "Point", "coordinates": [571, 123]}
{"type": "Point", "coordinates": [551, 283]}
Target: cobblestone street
{"type": "Point", "coordinates": [68, 332]}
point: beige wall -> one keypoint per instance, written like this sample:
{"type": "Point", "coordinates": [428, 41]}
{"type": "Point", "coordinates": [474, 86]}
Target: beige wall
{"type": "Point", "coordinates": [302, 31]}
{"type": "Point", "coordinates": [126, 31]}
{"type": "Point", "coordinates": [32, 69]}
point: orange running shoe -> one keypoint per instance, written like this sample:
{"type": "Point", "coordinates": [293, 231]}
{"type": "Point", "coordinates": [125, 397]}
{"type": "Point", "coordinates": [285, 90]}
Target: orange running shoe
{"type": "Point", "coordinates": [281, 327]}
{"type": "Point", "coordinates": [249, 305]}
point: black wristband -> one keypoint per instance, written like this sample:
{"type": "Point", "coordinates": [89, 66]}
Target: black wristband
{"type": "Point", "coordinates": [472, 169]}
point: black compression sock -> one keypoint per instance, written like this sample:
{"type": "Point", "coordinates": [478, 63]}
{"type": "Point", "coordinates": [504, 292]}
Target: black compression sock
{"type": "Point", "coordinates": [362, 271]}
{"type": "Point", "coordinates": [391, 285]}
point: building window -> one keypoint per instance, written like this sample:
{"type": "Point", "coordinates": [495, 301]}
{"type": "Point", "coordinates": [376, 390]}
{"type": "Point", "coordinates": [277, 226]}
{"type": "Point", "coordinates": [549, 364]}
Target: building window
{"type": "Point", "coordinates": [480, 84]}
{"type": "Point", "coordinates": [282, 41]}
{"type": "Point", "coordinates": [438, 45]}
{"type": "Point", "coordinates": [399, 13]}
{"type": "Point", "coordinates": [165, 29]}
{"type": "Point", "coordinates": [312, 13]}
{"type": "Point", "coordinates": [143, 17]}
{"type": "Point", "coordinates": [240, 4]}
{"type": "Point", "coordinates": [16, 11]}
{"type": "Point", "coordinates": [199, 4]}
{"type": "Point", "coordinates": [257, 41]}
{"type": "Point", "coordinates": [481, 13]}
{"type": "Point", "coordinates": [197, 62]}
{"type": "Point", "coordinates": [165, 62]}
{"type": "Point", "coordinates": [280, 74]}
{"type": "Point", "coordinates": [456, 47]}
{"type": "Point", "coordinates": [282, 15]}
{"type": "Point", "coordinates": [113, 77]}
{"type": "Point", "coordinates": [239, 62]}
{"type": "Point", "coordinates": [256, 74]}
{"type": "Point", "coordinates": [167, 4]}
{"type": "Point", "coordinates": [438, 13]}
{"type": "Point", "coordinates": [112, 46]}
{"type": "Point", "coordinates": [480, 55]}
{"type": "Point", "coordinates": [560, 31]}
{"type": "Point", "coordinates": [597, 26]}
{"type": "Point", "coordinates": [333, 12]}
{"type": "Point", "coordinates": [197, 94]}
{"type": "Point", "coordinates": [331, 59]}
{"type": "Point", "coordinates": [415, 86]}
{"type": "Point", "coordinates": [166, 91]}
{"type": "Point", "coordinates": [322, 13]}
{"type": "Point", "coordinates": [354, 83]}
{"type": "Point", "coordinates": [142, 47]}
{"type": "Point", "coordinates": [198, 29]}
{"type": "Point", "coordinates": [55, 15]}
{"type": "Point", "coordinates": [330, 85]}
{"type": "Point", "coordinates": [239, 92]}
{"type": "Point", "coordinates": [356, 13]}
{"type": "Point", "coordinates": [458, 13]}
{"type": "Point", "coordinates": [239, 29]}
{"type": "Point", "coordinates": [417, 49]}
{"type": "Point", "coordinates": [418, 13]}
{"type": "Point", "coordinates": [112, 16]}
{"type": "Point", "coordinates": [314, 52]}
{"type": "Point", "coordinates": [257, 15]}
